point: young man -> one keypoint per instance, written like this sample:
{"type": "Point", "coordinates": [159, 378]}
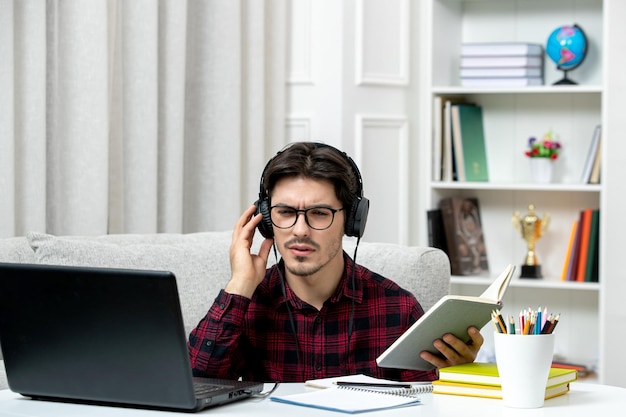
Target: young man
{"type": "Point", "coordinates": [316, 313]}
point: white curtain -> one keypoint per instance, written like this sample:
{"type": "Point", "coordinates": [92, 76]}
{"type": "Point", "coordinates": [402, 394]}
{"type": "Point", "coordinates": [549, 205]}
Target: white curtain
{"type": "Point", "coordinates": [137, 116]}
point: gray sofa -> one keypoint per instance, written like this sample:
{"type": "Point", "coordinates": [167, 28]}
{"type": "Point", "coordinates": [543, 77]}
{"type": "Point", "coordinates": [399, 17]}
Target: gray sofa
{"type": "Point", "coordinates": [201, 264]}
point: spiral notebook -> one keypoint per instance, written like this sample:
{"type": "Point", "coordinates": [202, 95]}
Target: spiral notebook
{"type": "Point", "coordinates": [356, 399]}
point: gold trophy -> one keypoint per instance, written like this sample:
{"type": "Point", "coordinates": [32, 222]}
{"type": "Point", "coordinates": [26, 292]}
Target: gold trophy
{"type": "Point", "coordinates": [531, 228]}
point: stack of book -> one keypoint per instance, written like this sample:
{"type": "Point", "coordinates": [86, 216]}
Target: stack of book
{"type": "Point", "coordinates": [581, 258]}
{"type": "Point", "coordinates": [482, 380]}
{"type": "Point", "coordinates": [582, 370]}
{"type": "Point", "coordinates": [459, 143]}
{"type": "Point", "coordinates": [501, 64]}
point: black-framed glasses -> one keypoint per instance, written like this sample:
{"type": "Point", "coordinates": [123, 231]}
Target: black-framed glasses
{"type": "Point", "coordinates": [318, 218]}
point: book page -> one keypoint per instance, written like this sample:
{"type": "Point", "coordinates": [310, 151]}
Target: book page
{"type": "Point", "coordinates": [496, 290]}
{"type": "Point", "coordinates": [452, 314]}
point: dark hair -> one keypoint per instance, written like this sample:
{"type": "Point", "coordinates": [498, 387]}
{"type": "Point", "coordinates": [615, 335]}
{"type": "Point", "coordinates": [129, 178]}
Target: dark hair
{"type": "Point", "coordinates": [316, 161]}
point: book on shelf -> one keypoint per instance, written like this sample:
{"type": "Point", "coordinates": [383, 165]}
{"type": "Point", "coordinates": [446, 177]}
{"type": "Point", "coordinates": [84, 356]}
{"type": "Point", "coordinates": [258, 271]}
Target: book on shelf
{"type": "Point", "coordinates": [594, 178]}
{"type": "Point", "coordinates": [487, 391]}
{"type": "Point", "coordinates": [448, 157]}
{"type": "Point", "coordinates": [582, 370]}
{"type": "Point", "coordinates": [442, 135]}
{"type": "Point", "coordinates": [591, 266]}
{"type": "Point", "coordinates": [437, 140]}
{"type": "Point", "coordinates": [575, 250]}
{"type": "Point", "coordinates": [570, 251]}
{"type": "Point", "coordinates": [457, 144]}
{"type": "Point", "coordinates": [486, 373]}
{"type": "Point", "coordinates": [501, 72]}
{"type": "Point", "coordinates": [501, 49]}
{"type": "Point", "coordinates": [470, 151]}
{"type": "Point", "coordinates": [436, 232]}
{"type": "Point", "coordinates": [502, 82]}
{"type": "Point", "coordinates": [585, 229]}
{"type": "Point", "coordinates": [594, 147]}
{"type": "Point", "coordinates": [464, 235]}
{"type": "Point", "coordinates": [501, 61]}
{"type": "Point", "coordinates": [581, 261]}
{"type": "Point", "coordinates": [354, 398]}
{"type": "Point", "coordinates": [451, 314]}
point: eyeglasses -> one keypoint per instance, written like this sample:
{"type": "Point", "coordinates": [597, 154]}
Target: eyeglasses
{"type": "Point", "coordinates": [318, 218]}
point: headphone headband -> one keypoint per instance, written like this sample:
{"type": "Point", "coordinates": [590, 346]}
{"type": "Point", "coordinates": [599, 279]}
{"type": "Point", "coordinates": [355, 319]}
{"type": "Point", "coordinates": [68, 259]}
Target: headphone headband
{"type": "Point", "coordinates": [356, 215]}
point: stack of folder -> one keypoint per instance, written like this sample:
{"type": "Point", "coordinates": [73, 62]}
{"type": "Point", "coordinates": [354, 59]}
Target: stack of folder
{"type": "Point", "coordinates": [501, 64]}
{"type": "Point", "coordinates": [482, 380]}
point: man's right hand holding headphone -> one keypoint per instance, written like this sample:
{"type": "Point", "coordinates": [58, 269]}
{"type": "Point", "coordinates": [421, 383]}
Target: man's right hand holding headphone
{"type": "Point", "coordinates": [247, 269]}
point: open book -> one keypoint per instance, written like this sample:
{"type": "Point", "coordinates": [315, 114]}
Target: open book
{"type": "Point", "coordinates": [451, 314]}
{"type": "Point", "coordinates": [347, 400]}
{"type": "Point", "coordinates": [359, 393]}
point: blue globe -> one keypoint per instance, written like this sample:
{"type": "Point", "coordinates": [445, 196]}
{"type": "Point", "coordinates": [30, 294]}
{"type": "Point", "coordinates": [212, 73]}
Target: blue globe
{"type": "Point", "coordinates": [567, 47]}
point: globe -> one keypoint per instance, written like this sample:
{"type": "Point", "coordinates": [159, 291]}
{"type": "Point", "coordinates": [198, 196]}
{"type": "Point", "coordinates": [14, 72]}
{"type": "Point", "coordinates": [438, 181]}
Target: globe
{"type": "Point", "coordinates": [567, 47]}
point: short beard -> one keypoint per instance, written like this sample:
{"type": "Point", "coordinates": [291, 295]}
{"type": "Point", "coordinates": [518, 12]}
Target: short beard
{"type": "Point", "coordinates": [301, 270]}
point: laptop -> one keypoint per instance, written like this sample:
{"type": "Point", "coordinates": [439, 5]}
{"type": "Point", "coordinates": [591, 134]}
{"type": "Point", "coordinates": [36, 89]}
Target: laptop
{"type": "Point", "coordinates": [102, 336]}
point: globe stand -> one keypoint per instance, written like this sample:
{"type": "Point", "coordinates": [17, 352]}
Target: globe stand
{"type": "Point", "coordinates": [567, 47]}
{"type": "Point", "coordinates": [565, 80]}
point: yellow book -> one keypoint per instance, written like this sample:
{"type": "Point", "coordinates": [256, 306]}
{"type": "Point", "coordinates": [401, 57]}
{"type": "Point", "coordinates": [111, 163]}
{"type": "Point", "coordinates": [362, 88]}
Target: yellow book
{"type": "Point", "coordinates": [568, 255]}
{"type": "Point", "coordinates": [482, 373]}
{"type": "Point", "coordinates": [487, 391]}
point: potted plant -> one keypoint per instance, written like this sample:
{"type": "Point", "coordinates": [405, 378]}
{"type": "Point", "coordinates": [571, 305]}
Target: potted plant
{"type": "Point", "coordinates": [542, 154]}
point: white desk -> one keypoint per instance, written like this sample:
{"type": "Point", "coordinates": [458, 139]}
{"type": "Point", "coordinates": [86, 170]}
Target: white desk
{"type": "Point", "coordinates": [584, 399]}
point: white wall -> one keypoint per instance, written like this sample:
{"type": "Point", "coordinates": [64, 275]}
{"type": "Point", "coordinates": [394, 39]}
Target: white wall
{"type": "Point", "coordinates": [351, 84]}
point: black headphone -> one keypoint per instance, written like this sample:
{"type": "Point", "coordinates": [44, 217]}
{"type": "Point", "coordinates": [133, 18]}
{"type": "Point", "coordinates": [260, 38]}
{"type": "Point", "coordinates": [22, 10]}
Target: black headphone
{"type": "Point", "coordinates": [355, 219]}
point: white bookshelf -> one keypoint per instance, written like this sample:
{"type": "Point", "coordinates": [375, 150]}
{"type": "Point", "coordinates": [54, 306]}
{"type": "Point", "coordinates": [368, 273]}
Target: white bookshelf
{"type": "Point", "coordinates": [511, 116]}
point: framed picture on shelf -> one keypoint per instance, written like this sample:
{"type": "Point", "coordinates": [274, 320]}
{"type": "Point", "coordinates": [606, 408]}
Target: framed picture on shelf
{"type": "Point", "coordinates": [464, 236]}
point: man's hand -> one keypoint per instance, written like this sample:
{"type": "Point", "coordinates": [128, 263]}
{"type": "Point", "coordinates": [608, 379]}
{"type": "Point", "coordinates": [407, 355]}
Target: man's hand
{"type": "Point", "coordinates": [453, 350]}
{"type": "Point", "coordinates": [247, 270]}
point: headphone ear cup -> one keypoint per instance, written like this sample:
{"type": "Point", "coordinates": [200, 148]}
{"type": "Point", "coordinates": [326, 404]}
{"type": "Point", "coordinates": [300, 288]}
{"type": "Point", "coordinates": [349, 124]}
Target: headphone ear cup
{"type": "Point", "coordinates": [357, 217]}
{"type": "Point", "coordinates": [265, 225]}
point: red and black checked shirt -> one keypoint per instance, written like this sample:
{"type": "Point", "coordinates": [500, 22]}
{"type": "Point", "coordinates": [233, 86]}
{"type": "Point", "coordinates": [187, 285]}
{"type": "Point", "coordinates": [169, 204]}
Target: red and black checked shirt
{"type": "Point", "coordinates": [253, 338]}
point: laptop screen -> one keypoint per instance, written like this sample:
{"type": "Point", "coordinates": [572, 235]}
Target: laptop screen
{"type": "Point", "coordinates": [95, 334]}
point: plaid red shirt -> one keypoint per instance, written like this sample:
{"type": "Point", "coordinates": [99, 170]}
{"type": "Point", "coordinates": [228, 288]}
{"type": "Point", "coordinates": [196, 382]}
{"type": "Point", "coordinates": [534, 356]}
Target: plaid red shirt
{"type": "Point", "coordinates": [253, 338]}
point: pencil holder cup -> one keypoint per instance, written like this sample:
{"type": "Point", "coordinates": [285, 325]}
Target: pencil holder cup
{"type": "Point", "coordinates": [524, 363]}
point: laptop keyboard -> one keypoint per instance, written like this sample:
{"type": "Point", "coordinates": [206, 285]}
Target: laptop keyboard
{"type": "Point", "coordinates": [202, 389]}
